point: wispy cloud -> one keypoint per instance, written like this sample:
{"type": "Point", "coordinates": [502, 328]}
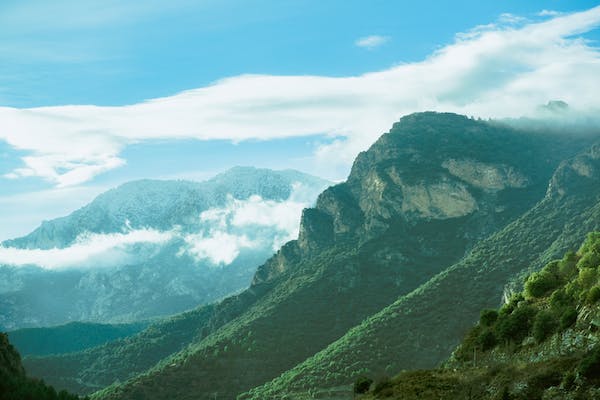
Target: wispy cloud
{"type": "Point", "coordinates": [90, 250]}
{"type": "Point", "coordinates": [371, 42]}
{"type": "Point", "coordinates": [511, 19]}
{"type": "Point", "coordinates": [503, 70]}
{"type": "Point", "coordinates": [549, 13]}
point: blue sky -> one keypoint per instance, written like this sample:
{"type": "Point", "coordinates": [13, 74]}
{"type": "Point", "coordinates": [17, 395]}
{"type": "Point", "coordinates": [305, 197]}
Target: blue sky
{"type": "Point", "coordinates": [106, 53]}
{"type": "Point", "coordinates": [279, 84]}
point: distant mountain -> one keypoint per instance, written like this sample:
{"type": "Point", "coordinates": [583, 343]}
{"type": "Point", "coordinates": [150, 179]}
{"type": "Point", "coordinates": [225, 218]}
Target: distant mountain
{"type": "Point", "coordinates": [151, 248]}
{"type": "Point", "coordinates": [421, 198]}
{"type": "Point", "coordinates": [74, 336]}
{"type": "Point", "coordinates": [163, 204]}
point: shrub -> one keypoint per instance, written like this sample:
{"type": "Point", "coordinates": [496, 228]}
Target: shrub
{"type": "Point", "coordinates": [561, 299]}
{"type": "Point", "coordinates": [587, 277]}
{"type": "Point", "coordinates": [593, 295]}
{"type": "Point", "coordinates": [591, 243]}
{"type": "Point", "coordinates": [512, 304]}
{"type": "Point", "coordinates": [589, 260]}
{"type": "Point", "coordinates": [471, 340]}
{"type": "Point", "coordinates": [384, 387]}
{"type": "Point", "coordinates": [568, 382]}
{"type": "Point", "coordinates": [568, 318]}
{"type": "Point", "coordinates": [540, 283]}
{"type": "Point", "coordinates": [589, 366]}
{"type": "Point", "coordinates": [488, 317]}
{"type": "Point", "coordinates": [545, 324]}
{"type": "Point", "coordinates": [515, 327]}
{"type": "Point", "coordinates": [362, 384]}
{"type": "Point", "coordinates": [487, 340]}
{"type": "Point", "coordinates": [567, 267]}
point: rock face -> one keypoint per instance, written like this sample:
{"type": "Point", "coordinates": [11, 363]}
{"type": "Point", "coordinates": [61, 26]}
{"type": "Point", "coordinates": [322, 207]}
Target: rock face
{"type": "Point", "coordinates": [141, 280]}
{"type": "Point", "coordinates": [470, 176]}
{"type": "Point", "coordinates": [484, 176]}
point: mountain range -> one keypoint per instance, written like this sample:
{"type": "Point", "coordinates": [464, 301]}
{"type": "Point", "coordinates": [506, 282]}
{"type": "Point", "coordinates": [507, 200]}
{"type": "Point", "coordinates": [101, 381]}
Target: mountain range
{"type": "Point", "coordinates": [151, 248]}
{"type": "Point", "coordinates": [443, 216]}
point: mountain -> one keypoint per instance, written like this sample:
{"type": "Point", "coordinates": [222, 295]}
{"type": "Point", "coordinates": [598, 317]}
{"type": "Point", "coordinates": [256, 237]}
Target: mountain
{"type": "Point", "coordinates": [151, 248]}
{"type": "Point", "coordinates": [164, 204]}
{"type": "Point", "coordinates": [542, 343]}
{"type": "Point", "coordinates": [15, 385]}
{"type": "Point", "coordinates": [74, 336]}
{"type": "Point", "coordinates": [420, 330]}
{"type": "Point", "coordinates": [419, 200]}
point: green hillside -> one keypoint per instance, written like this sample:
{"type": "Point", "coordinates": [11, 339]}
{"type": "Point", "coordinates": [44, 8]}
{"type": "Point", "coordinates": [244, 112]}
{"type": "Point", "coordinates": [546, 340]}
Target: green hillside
{"type": "Point", "coordinates": [95, 368]}
{"type": "Point", "coordinates": [421, 329]}
{"type": "Point", "coordinates": [543, 344]}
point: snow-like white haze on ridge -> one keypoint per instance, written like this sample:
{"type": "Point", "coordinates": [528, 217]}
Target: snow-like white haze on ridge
{"type": "Point", "coordinates": [505, 69]}
{"type": "Point", "coordinates": [89, 250]}
{"type": "Point", "coordinates": [250, 224]}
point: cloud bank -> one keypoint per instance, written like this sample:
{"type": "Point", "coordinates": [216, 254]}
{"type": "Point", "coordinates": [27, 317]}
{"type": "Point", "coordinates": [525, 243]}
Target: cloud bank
{"type": "Point", "coordinates": [90, 250]}
{"type": "Point", "coordinates": [250, 224]}
{"type": "Point", "coordinates": [505, 69]}
{"type": "Point", "coordinates": [219, 237]}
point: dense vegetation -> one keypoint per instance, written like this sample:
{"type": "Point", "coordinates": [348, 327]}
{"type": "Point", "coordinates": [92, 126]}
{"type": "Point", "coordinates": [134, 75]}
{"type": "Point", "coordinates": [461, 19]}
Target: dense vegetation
{"type": "Point", "coordinates": [543, 343]}
{"type": "Point", "coordinates": [550, 303]}
{"type": "Point", "coordinates": [421, 329]}
{"type": "Point", "coordinates": [95, 368]}
{"type": "Point", "coordinates": [74, 336]}
{"type": "Point", "coordinates": [15, 385]}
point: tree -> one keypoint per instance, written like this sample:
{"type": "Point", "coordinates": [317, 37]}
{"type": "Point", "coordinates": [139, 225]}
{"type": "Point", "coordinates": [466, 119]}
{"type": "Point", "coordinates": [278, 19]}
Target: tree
{"type": "Point", "coordinates": [545, 324]}
{"type": "Point", "coordinates": [590, 365]}
{"type": "Point", "coordinates": [362, 385]}
{"type": "Point", "coordinates": [540, 283]}
{"type": "Point", "coordinates": [488, 317]}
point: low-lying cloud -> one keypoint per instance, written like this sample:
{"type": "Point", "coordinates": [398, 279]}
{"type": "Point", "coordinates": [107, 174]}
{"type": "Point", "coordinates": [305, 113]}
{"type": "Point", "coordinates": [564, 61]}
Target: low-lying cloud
{"type": "Point", "coordinates": [503, 69]}
{"type": "Point", "coordinates": [90, 250]}
{"type": "Point", "coordinates": [218, 238]}
{"type": "Point", "coordinates": [253, 223]}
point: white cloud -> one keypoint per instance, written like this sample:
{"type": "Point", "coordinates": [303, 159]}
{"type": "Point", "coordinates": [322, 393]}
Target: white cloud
{"type": "Point", "coordinates": [253, 223]}
{"type": "Point", "coordinates": [370, 42]}
{"type": "Point", "coordinates": [500, 70]}
{"type": "Point", "coordinates": [90, 250]}
{"type": "Point", "coordinates": [549, 13]}
{"type": "Point", "coordinates": [511, 19]}
{"type": "Point", "coordinates": [218, 247]}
